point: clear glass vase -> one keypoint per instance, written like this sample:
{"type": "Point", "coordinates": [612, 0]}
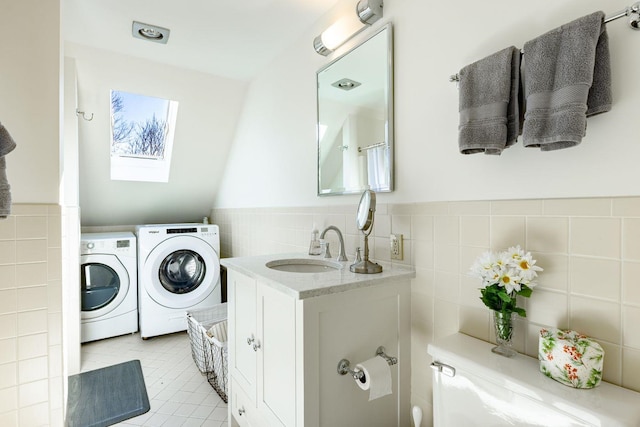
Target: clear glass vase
{"type": "Point", "coordinates": [503, 323]}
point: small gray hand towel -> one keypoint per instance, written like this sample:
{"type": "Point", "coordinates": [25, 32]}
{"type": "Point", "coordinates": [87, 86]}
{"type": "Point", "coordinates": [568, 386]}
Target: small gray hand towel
{"type": "Point", "coordinates": [7, 144]}
{"type": "Point", "coordinates": [567, 78]}
{"type": "Point", "coordinates": [489, 103]}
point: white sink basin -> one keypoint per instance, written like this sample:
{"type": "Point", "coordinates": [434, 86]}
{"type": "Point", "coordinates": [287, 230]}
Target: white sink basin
{"type": "Point", "coordinates": [304, 265]}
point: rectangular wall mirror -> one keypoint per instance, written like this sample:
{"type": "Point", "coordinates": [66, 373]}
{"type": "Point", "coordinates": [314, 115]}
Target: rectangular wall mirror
{"type": "Point", "coordinates": [355, 119]}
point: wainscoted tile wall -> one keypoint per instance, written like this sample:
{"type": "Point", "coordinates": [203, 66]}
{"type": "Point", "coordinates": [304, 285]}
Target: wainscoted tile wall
{"type": "Point", "coordinates": [31, 378]}
{"type": "Point", "coordinates": [589, 249]}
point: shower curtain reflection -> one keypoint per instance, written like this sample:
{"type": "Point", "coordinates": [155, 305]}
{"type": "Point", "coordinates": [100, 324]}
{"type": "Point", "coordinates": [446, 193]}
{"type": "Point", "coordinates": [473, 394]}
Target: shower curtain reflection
{"type": "Point", "coordinates": [378, 168]}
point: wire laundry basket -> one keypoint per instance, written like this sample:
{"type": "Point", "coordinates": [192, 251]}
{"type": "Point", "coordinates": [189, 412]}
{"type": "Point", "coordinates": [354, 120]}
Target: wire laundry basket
{"type": "Point", "coordinates": [207, 329]}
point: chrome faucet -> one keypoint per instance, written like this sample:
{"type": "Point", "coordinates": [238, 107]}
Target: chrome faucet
{"type": "Point", "coordinates": [341, 255]}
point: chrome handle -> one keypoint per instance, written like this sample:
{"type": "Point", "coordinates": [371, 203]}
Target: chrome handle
{"type": "Point", "coordinates": [256, 346]}
{"type": "Point", "coordinates": [447, 370]}
{"type": "Point", "coordinates": [241, 411]}
{"type": "Point", "coordinates": [344, 368]}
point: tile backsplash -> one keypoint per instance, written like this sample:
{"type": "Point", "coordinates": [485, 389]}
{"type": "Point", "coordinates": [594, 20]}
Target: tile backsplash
{"type": "Point", "coordinates": [589, 249]}
{"type": "Point", "coordinates": [31, 378]}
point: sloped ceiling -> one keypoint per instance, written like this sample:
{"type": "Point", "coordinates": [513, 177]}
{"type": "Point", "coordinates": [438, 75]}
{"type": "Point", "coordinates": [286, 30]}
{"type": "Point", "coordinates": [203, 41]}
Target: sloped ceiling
{"type": "Point", "coordinates": [208, 111]}
{"type": "Point", "coordinates": [215, 48]}
{"type": "Point", "coordinates": [230, 38]}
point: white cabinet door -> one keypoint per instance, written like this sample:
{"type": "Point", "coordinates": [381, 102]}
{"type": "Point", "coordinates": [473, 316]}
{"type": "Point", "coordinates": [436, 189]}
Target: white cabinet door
{"type": "Point", "coordinates": [277, 357]}
{"type": "Point", "coordinates": [351, 325]}
{"type": "Point", "coordinates": [243, 331]}
{"type": "Point", "coordinates": [262, 353]}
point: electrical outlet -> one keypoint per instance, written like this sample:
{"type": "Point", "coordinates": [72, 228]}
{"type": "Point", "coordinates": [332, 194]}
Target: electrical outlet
{"type": "Point", "coordinates": [396, 243]}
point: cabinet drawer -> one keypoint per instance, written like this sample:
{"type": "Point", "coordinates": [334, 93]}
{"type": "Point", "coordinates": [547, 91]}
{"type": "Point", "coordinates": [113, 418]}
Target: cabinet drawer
{"type": "Point", "coordinates": [243, 409]}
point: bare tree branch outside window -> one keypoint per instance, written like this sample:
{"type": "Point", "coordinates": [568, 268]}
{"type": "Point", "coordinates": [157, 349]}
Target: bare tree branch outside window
{"type": "Point", "coordinates": [121, 128]}
{"type": "Point", "coordinates": [137, 130]}
{"type": "Point", "coordinates": [149, 139]}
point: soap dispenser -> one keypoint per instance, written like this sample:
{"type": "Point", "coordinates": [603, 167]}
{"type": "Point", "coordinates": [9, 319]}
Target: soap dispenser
{"type": "Point", "coordinates": [314, 245]}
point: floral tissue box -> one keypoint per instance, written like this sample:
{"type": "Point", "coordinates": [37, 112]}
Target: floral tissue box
{"type": "Point", "coordinates": [570, 358]}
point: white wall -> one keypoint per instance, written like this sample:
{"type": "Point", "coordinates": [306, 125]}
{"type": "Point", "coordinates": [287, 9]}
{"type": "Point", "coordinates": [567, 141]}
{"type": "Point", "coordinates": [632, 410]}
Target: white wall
{"type": "Point", "coordinates": [31, 366]}
{"type": "Point", "coordinates": [273, 159]}
{"type": "Point", "coordinates": [30, 96]}
{"type": "Point", "coordinates": [207, 115]}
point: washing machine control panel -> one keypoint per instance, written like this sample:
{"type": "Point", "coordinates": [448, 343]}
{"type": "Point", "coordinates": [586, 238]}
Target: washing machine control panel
{"type": "Point", "coordinates": [182, 230]}
{"type": "Point", "coordinates": [124, 246]}
{"type": "Point", "coordinates": [202, 231]}
{"type": "Point", "coordinates": [208, 231]}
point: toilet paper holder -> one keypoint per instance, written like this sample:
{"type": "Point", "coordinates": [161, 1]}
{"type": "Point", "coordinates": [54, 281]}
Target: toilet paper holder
{"type": "Point", "coordinates": [344, 366]}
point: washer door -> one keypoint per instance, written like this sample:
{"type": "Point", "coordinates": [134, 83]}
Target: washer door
{"type": "Point", "coordinates": [104, 283]}
{"type": "Point", "coordinates": [182, 271]}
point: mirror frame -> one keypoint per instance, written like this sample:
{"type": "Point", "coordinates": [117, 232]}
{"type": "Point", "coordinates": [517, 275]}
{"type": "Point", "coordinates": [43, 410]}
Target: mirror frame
{"type": "Point", "coordinates": [366, 210]}
{"type": "Point", "coordinates": [389, 128]}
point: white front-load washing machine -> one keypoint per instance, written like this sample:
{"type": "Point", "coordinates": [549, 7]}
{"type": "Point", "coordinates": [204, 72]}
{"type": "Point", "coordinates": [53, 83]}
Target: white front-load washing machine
{"type": "Point", "coordinates": [108, 285]}
{"type": "Point", "coordinates": [178, 271]}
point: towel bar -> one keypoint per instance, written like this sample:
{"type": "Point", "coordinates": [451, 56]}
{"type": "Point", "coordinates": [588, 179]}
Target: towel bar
{"type": "Point", "coordinates": [634, 8]}
{"type": "Point", "coordinates": [369, 147]}
{"type": "Point", "coordinates": [634, 23]}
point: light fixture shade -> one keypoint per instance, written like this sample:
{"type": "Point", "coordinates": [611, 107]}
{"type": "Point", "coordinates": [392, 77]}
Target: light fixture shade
{"type": "Point", "coordinates": [367, 12]}
{"type": "Point", "coordinates": [341, 31]}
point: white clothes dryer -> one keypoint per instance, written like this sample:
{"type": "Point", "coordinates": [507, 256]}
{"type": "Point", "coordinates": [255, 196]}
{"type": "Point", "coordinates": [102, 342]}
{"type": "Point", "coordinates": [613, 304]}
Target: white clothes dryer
{"type": "Point", "coordinates": [178, 271]}
{"type": "Point", "coordinates": [108, 285]}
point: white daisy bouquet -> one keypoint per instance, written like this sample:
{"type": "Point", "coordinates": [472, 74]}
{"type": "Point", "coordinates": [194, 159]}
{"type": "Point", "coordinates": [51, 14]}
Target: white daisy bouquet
{"type": "Point", "coordinates": [505, 275]}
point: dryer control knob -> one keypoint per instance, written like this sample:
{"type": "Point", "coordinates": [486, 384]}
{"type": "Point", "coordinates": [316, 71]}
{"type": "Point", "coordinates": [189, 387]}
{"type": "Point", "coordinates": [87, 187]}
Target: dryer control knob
{"type": "Point", "coordinates": [91, 245]}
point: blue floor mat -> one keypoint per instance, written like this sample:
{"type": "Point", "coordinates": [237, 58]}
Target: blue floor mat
{"type": "Point", "coordinates": [106, 396]}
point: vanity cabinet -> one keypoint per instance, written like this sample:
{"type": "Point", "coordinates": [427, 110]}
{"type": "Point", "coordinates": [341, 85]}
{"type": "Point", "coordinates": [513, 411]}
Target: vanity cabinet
{"type": "Point", "coordinates": [285, 344]}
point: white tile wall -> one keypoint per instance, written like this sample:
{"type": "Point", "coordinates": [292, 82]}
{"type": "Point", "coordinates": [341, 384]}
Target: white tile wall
{"type": "Point", "coordinates": [589, 248]}
{"type": "Point", "coordinates": [30, 317]}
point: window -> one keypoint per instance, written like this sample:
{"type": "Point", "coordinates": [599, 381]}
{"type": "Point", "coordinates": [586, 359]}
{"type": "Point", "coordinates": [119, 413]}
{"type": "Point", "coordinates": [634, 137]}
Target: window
{"type": "Point", "coordinates": [142, 130]}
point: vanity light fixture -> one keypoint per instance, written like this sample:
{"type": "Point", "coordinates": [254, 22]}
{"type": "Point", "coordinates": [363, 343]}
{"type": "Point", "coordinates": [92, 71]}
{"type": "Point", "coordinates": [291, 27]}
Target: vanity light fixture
{"type": "Point", "coordinates": [150, 32]}
{"type": "Point", "coordinates": [367, 12]}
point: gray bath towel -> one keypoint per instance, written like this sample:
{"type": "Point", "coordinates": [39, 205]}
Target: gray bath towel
{"type": "Point", "coordinates": [7, 144]}
{"type": "Point", "coordinates": [567, 77]}
{"type": "Point", "coordinates": [489, 103]}
{"type": "Point", "coordinates": [5, 193]}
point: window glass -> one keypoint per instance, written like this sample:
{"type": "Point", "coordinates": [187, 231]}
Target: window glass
{"type": "Point", "coordinates": [142, 130]}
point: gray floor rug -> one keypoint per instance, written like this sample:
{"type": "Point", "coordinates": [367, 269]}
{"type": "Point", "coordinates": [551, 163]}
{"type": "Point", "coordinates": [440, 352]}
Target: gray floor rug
{"type": "Point", "coordinates": [106, 396]}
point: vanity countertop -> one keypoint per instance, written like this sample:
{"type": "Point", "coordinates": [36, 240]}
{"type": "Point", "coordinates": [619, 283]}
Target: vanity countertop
{"type": "Point", "coordinates": [307, 285]}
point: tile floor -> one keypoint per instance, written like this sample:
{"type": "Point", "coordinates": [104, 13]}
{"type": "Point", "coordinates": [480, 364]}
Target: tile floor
{"type": "Point", "coordinates": [178, 393]}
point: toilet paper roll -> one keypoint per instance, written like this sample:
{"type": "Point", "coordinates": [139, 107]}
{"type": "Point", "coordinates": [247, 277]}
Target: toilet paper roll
{"type": "Point", "coordinates": [570, 358]}
{"type": "Point", "coordinates": [377, 377]}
